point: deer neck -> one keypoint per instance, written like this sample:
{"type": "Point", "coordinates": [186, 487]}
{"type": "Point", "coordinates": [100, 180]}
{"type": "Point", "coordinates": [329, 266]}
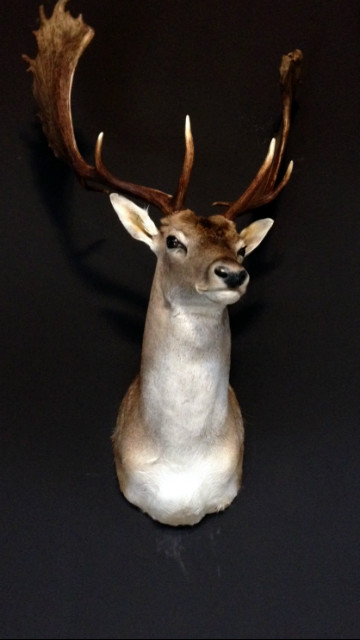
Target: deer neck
{"type": "Point", "coordinates": [185, 363]}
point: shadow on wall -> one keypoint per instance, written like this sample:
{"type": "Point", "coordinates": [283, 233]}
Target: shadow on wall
{"type": "Point", "coordinates": [87, 244]}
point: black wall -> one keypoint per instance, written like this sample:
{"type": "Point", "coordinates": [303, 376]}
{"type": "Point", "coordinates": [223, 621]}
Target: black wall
{"type": "Point", "coordinates": [283, 561]}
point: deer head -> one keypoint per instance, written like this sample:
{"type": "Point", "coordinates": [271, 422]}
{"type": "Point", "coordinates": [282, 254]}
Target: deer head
{"type": "Point", "coordinates": [178, 443]}
{"type": "Point", "coordinates": [201, 257]}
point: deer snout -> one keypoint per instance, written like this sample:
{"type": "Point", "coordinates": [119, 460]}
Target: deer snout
{"type": "Point", "coordinates": [232, 276]}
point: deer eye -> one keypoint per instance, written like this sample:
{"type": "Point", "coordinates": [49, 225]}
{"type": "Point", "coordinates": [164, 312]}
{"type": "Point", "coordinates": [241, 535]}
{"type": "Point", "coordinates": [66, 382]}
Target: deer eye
{"type": "Point", "coordinates": [241, 252]}
{"type": "Point", "coordinates": [173, 243]}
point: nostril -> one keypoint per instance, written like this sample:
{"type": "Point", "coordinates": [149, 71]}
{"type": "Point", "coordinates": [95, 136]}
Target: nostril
{"type": "Point", "coordinates": [236, 278]}
{"type": "Point", "coordinates": [222, 272]}
{"type": "Point", "coordinates": [242, 277]}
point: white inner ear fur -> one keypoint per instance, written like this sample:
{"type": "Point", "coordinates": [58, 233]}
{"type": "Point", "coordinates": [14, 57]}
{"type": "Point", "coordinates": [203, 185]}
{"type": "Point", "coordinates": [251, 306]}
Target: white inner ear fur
{"type": "Point", "coordinates": [135, 220]}
{"type": "Point", "coordinates": [252, 235]}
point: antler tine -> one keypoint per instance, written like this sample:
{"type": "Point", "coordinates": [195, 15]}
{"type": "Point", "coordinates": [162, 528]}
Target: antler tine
{"type": "Point", "coordinates": [61, 41]}
{"type": "Point", "coordinates": [177, 201]}
{"type": "Point", "coordinates": [262, 189]}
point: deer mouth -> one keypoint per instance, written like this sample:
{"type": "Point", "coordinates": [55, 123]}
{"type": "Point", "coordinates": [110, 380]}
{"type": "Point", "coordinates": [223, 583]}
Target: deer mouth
{"type": "Point", "coordinates": [222, 295]}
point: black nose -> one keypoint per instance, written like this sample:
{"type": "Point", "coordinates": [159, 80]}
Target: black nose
{"type": "Point", "coordinates": [231, 278]}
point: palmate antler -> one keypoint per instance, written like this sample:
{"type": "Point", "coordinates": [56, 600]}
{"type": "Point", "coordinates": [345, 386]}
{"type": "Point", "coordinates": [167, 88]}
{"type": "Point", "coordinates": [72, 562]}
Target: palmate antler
{"type": "Point", "coordinates": [61, 41]}
{"type": "Point", "coordinates": [262, 189]}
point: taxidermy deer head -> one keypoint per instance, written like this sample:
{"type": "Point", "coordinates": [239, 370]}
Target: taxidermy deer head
{"type": "Point", "coordinates": [179, 438]}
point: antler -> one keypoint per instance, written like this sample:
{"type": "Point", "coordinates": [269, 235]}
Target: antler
{"type": "Point", "coordinates": [262, 189]}
{"type": "Point", "coordinates": [61, 41]}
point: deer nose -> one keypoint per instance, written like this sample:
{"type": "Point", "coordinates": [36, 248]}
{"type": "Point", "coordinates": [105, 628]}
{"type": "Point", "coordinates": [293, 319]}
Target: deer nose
{"type": "Point", "coordinates": [232, 278]}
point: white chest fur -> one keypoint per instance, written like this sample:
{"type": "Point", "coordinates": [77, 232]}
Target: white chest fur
{"type": "Point", "coordinates": [181, 493]}
{"type": "Point", "coordinates": [193, 463]}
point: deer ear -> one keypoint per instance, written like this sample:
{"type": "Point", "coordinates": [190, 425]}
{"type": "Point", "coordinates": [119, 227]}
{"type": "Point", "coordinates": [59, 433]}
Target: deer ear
{"type": "Point", "coordinates": [255, 233]}
{"type": "Point", "coordinates": [135, 220]}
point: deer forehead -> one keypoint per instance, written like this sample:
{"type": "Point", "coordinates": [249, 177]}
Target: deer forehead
{"type": "Point", "coordinates": [200, 229]}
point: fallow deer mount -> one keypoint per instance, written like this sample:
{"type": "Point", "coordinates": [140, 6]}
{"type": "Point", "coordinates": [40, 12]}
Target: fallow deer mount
{"type": "Point", "coordinates": [179, 438]}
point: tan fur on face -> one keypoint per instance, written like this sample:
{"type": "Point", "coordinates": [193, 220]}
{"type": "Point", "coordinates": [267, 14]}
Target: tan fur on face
{"type": "Point", "coordinates": [207, 229]}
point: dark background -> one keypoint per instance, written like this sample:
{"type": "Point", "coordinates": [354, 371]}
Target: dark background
{"type": "Point", "coordinates": [283, 561]}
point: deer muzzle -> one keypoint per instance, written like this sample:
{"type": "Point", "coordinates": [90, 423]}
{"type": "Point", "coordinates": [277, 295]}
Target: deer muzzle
{"type": "Point", "coordinates": [233, 278]}
{"type": "Point", "coordinates": [226, 273]}
{"type": "Point", "coordinates": [226, 282]}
